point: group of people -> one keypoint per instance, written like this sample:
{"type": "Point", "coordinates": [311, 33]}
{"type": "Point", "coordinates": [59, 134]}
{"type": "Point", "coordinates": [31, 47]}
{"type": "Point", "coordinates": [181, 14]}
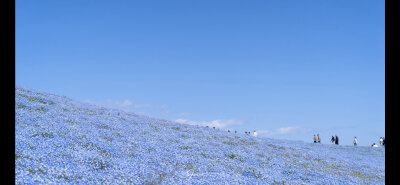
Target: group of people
{"type": "Point", "coordinates": [381, 142]}
{"type": "Point", "coordinates": [230, 131]}
{"type": "Point", "coordinates": [254, 133]}
{"type": "Point", "coordinates": [247, 133]}
{"type": "Point", "coordinates": [315, 139]}
{"type": "Point", "coordinates": [335, 139]}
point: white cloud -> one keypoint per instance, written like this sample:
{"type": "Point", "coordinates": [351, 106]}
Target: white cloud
{"type": "Point", "coordinates": [164, 106]}
{"type": "Point", "coordinates": [87, 101]}
{"type": "Point", "coordinates": [124, 105]}
{"type": "Point", "coordinates": [214, 123]}
{"type": "Point", "coordinates": [184, 114]}
{"type": "Point", "coordinates": [142, 105]}
{"type": "Point", "coordinates": [165, 113]}
{"type": "Point", "coordinates": [284, 131]}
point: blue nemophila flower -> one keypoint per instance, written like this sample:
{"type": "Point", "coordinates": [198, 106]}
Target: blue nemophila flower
{"type": "Point", "coordinates": [62, 141]}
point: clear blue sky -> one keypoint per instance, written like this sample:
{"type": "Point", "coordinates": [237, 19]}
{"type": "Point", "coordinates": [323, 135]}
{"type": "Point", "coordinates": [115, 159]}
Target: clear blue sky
{"type": "Point", "coordinates": [288, 69]}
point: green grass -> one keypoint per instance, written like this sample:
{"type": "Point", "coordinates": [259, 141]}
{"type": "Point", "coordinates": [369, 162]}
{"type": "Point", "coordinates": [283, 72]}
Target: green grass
{"type": "Point", "coordinates": [72, 122]}
{"type": "Point", "coordinates": [230, 143]}
{"type": "Point", "coordinates": [361, 176]}
{"type": "Point", "coordinates": [255, 174]}
{"type": "Point", "coordinates": [176, 128]}
{"type": "Point", "coordinates": [35, 99]}
{"type": "Point", "coordinates": [47, 135]}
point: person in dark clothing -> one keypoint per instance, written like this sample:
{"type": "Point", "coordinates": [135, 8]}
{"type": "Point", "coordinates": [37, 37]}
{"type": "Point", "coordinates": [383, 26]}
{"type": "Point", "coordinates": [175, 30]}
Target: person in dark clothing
{"type": "Point", "coordinates": [319, 138]}
{"type": "Point", "coordinates": [333, 140]}
{"type": "Point", "coordinates": [383, 141]}
{"type": "Point", "coordinates": [336, 140]}
{"type": "Point", "coordinates": [315, 139]}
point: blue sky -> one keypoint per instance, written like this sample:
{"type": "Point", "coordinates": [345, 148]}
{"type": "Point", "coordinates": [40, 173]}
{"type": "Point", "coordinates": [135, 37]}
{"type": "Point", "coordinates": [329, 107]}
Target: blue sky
{"type": "Point", "coordinates": [288, 69]}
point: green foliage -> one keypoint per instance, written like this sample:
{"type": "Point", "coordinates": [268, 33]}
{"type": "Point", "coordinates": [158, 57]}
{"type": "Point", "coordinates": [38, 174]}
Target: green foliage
{"type": "Point", "coordinates": [229, 143]}
{"type": "Point", "coordinates": [63, 177]}
{"type": "Point", "coordinates": [47, 135]}
{"type": "Point", "coordinates": [100, 164]}
{"type": "Point", "coordinates": [361, 176]}
{"type": "Point", "coordinates": [176, 128]}
{"type": "Point", "coordinates": [255, 174]}
{"type": "Point", "coordinates": [72, 121]}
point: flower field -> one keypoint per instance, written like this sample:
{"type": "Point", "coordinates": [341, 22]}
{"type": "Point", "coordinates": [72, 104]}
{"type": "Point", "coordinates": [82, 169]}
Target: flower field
{"type": "Point", "coordinates": [62, 141]}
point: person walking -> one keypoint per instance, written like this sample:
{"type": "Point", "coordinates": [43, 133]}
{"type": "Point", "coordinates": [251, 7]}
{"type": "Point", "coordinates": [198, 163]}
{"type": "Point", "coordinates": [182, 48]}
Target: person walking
{"type": "Point", "coordinates": [319, 138]}
{"type": "Point", "coordinates": [333, 140]}
{"type": "Point", "coordinates": [355, 141]}
{"type": "Point", "coordinates": [315, 139]}
{"type": "Point", "coordinates": [336, 140]}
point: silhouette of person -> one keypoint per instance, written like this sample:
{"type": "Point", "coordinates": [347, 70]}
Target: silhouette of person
{"type": "Point", "coordinates": [315, 139]}
{"type": "Point", "coordinates": [336, 140]}
{"type": "Point", "coordinates": [319, 138]}
{"type": "Point", "coordinates": [333, 140]}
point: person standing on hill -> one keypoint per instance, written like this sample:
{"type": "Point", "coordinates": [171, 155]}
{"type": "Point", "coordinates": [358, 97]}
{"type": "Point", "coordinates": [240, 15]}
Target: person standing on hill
{"type": "Point", "coordinates": [255, 134]}
{"type": "Point", "coordinates": [355, 141]}
{"type": "Point", "coordinates": [381, 141]}
{"type": "Point", "coordinates": [336, 140]}
{"type": "Point", "coordinates": [319, 138]}
{"type": "Point", "coordinates": [315, 139]}
{"type": "Point", "coordinates": [333, 140]}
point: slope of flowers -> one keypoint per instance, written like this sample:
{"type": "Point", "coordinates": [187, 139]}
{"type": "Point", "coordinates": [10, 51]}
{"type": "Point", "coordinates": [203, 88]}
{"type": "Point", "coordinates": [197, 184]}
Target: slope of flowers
{"type": "Point", "coordinates": [62, 141]}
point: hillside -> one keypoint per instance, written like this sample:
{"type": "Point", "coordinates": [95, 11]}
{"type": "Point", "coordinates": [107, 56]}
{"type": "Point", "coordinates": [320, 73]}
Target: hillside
{"type": "Point", "coordinates": [62, 141]}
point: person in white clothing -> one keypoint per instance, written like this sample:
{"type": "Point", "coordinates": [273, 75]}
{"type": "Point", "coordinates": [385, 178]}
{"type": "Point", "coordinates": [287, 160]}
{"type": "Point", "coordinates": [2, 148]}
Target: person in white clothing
{"type": "Point", "coordinates": [381, 141]}
{"type": "Point", "coordinates": [255, 134]}
{"type": "Point", "coordinates": [355, 141]}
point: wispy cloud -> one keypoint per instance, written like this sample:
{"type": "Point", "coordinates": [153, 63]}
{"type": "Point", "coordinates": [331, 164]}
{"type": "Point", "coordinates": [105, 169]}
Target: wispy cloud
{"type": "Point", "coordinates": [165, 113]}
{"type": "Point", "coordinates": [214, 123]}
{"type": "Point", "coordinates": [184, 114]}
{"type": "Point", "coordinates": [284, 131]}
{"type": "Point", "coordinates": [124, 105]}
